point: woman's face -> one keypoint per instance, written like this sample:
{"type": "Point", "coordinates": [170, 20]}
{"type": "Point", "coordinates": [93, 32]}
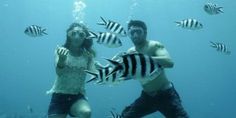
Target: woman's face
{"type": "Point", "coordinates": [77, 36]}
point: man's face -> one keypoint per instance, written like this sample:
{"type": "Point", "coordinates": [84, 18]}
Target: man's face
{"type": "Point", "coordinates": [137, 34]}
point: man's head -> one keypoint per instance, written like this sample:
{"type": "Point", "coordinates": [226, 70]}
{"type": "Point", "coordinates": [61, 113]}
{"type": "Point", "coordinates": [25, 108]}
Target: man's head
{"type": "Point", "coordinates": [137, 31]}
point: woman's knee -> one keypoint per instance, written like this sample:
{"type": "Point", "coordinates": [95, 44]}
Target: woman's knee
{"type": "Point", "coordinates": [81, 108]}
{"type": "Point", "coordinates": [86, 113]}
{"type": "Point", "coordinates": [83, 113]}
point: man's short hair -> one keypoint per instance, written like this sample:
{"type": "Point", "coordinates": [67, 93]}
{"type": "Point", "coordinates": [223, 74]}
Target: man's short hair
{"type": "Point", "coordinates": [137, 23]}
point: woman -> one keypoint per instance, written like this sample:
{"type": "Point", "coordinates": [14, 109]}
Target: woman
{"type": "Point", "coordinates": [68, 92]}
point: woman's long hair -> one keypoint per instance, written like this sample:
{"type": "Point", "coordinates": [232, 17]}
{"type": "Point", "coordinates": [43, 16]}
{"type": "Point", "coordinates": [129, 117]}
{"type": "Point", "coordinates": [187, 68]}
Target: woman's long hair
{"type": "Point", "coordinates": [87, 43]}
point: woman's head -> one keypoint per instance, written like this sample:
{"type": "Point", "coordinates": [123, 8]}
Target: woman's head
{"type": "Point", "coordinates": [77, 35]}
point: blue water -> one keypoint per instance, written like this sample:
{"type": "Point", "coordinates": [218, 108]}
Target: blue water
{"type": "Point", "coordinates": [204, 78]}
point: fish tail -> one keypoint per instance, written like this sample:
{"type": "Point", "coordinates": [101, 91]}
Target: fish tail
{"type": "Point", "coordinates": [92, 79]}
{"type": "Point", "coordinates": [91, 73]}
{"type": "Point", "coordinates": [44, 32]}
{"type": "Point", "coordinates": [113, 114]}
{"type": "Point", "coordinates": [220, 9]}
{"type": "Point", "coordinates": [92, 35]}
{"type": "Point", "coordinates": [113, 62]}
{"type": "Point", "coordinates": [213, 44]}
{"type": "Point", "coordinates": [116, 68]}
{"type": "Point", "coordinates": [178, 23]}
{"type": "Point", "coordinates": [102, 23]}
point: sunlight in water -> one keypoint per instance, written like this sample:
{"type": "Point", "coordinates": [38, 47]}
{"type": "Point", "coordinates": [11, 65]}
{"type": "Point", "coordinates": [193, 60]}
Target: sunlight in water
{"type": "Point", "coordinates": [132, 9]}
{"type": "Point", "coordinates": [78, 11]}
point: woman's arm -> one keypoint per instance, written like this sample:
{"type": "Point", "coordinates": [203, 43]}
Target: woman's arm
{"type": "Point", "coordinates": [60, 60]}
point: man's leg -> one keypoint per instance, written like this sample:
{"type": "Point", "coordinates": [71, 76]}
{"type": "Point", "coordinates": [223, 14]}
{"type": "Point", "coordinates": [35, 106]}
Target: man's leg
{"type": "Point", "coordinates": [141, 107]}
{"type": "Point", "coordinates": [170, 104]}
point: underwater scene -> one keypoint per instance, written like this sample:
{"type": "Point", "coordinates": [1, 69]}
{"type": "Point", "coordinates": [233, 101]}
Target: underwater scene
{"type": "Point", "coordinates": [117, 58]}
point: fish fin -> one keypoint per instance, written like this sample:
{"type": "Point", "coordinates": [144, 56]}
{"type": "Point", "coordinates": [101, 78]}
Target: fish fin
{"type": "Point", "coordinates": [220, 9]}
{"type": "Point", "coordinates": [91, 73]}
{"type": "Point", "coordinates": [44, 32]}
{"type": "Point", "coordinates": [122, 77]}
{"type": "Point", "coordinates": [113, 62]}
{"type": "Point", "coordinates": [228, 52]}
{"type": "Point", "coordinates": [102, 23]}
{"type": "Point", "coordinates": [100, 83]}
{"type": "Point", "coordinates": [100, 66]}
{"type": "Point", "coordinates": [92, 79]}
{"type": "Point", "coordinates": [155, 73]}
{"type": "Point", "coordinates": [113, 114]}
{"type": "Point", "coordinates": [116, 68]}
{"type": "Point", "coordinates": [213, 44]}
{"type": "Point", "coordinates": [92, 35]}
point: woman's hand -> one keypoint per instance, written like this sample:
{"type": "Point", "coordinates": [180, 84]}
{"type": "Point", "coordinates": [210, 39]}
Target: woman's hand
{"type": "Point", "coordinates": [62, 54]}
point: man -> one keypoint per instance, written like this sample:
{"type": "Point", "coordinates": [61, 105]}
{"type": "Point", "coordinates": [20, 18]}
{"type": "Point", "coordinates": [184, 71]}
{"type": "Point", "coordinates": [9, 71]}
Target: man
{"type": "Point", "coordinates": [158, 94]}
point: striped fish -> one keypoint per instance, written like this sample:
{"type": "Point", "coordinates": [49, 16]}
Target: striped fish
{"type": "Point", "coordinates": [30, 109]}
{"type": "Point", "coordinates": [136, 66]}
{"type": "Point", "coordinates": [191, 24]}
{"type": "Point", "coordinates": [213, 9]}
{"type": "Point", "coordinates": [106, 38]}
{"type": "Point", "coordinates": [113, 27]}
{"type": "Point", "coordinates": [35, 31]}
{"type": "Point", "coordinates": [220, 47]}
{"type": "Point", "coordinates": [115, 115]}
{"type": "Point", "coordinates": [101, 76]}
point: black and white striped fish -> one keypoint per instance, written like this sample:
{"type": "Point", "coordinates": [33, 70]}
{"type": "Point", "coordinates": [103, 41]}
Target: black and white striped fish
{"type": "Point", "coordinates": [113, 27]}
{"type": "Point", "coordinates": [115, 115]}
{"type": "Point", "coordinates": [220, 47]}
{"type": "Point", "coordinates": [106, 38]}
{"type": "Point", "coordinates": [35, 31]}
{"type": "Point", "coordinates": [30, 109]}
{"type": "Point", "coordinates": [191, 24]}
{"type": "Point", "coordinates": [136, 66]}
{"type": "Point", "coordinates": [213, 9]}
{"type": "Point", "coordinates": [101, 76]}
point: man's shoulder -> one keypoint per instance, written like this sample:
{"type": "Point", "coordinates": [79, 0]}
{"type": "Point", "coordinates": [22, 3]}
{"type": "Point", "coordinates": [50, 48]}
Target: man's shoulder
{"type": "Point", "coordinates": [156, 44]}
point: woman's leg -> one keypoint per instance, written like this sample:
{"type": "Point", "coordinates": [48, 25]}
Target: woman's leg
{"type": "Point", "coordinates": [81, 109]}
{"type": "Point", "coordinates": [59, 106]}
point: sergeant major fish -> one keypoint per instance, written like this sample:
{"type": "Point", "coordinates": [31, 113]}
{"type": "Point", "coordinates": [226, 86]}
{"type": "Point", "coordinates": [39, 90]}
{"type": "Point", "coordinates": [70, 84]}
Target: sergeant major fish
{"type": "Point", "coordinates": [136, 66]}
{"type": "Point", "coordinates": [101, 76]}
{"type": "Point", "coordinates": [106, 38]}
{"type": "Point", "coordinates": [113, 27]}
{"type": "Point", "coordinates": [213, 9]}
{"type": "Point", "coordinates": [191, 24]}
{"type": "Point", "coordinates": [220, 47]}
{"type": "Point", "coordinates": [35, 31]}
{"type": "Point", "coordinates": [115, 115]}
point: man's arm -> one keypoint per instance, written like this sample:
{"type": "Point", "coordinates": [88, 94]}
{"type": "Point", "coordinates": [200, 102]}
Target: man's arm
{"type": "Point", "coordinates": [162, 56]}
